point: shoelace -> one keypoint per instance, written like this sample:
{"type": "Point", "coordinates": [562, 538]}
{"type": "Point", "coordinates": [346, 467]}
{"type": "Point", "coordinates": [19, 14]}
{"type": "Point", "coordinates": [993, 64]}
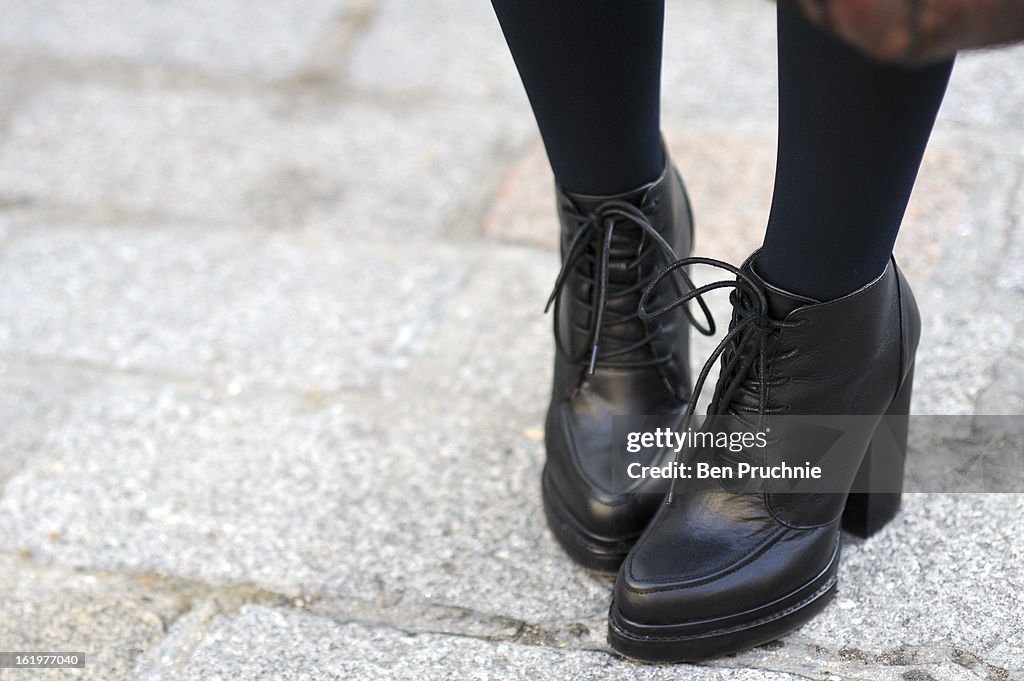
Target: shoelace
{"type": "Point", "coordinates": [602, 223]}
{"type": "Point", "coordinates": [751, 325]}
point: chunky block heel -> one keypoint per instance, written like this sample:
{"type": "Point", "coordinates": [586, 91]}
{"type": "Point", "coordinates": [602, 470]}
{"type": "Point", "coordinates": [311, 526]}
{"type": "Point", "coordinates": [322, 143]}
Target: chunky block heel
{"type": "Point", "coordinates": [878, 486]}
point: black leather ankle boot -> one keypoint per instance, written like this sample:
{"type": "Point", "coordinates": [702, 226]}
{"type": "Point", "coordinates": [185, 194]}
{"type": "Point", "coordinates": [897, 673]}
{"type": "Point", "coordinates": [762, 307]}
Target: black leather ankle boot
{"type": "Point", "coordinates": [723, 568]}
{"type": "Point", "coordinates": [609, 362]}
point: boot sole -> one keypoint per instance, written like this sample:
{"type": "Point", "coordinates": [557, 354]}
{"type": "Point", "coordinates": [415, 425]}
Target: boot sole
{"type": "Point", "coordinates": [699, 640]}
{"type": "Point", "coordinates": [592, 551]}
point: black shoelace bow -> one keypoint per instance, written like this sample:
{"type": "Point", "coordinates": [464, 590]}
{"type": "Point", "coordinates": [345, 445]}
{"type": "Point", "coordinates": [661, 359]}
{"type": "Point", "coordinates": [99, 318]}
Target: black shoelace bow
{"type": "Point", "coordinates": [595, 238]}
{"type": "Point", "coordinates": [744, 373]}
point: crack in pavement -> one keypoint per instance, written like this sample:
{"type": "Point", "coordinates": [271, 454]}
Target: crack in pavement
{"type": "Point", "coordinates": [204, 602]}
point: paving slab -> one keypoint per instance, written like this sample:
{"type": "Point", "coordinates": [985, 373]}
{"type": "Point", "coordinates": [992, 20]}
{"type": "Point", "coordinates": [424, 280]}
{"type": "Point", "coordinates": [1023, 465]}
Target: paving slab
{"type": "Point", "coordinates": [236, 308]}
{"type": "Point", "coordinates": [271, 160]}
{"type": "Point", "coordinates": [111, 618]}
{"type": "Point", "coordinates": [263, 38]}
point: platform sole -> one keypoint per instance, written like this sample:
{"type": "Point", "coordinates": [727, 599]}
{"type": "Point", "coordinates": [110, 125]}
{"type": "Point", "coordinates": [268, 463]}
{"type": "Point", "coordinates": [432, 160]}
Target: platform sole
{"type": "Point", "coordinates": [698, 640]}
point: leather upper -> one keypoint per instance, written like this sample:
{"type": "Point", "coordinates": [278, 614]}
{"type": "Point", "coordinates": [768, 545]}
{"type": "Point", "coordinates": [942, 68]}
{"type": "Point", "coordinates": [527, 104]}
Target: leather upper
{"type": "Point", "coordinates": [630, 377]}
{"type": "Point", "coordinates": [716, 553]}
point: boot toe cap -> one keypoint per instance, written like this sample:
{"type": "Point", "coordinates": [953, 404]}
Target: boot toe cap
{"type": "Point", "coordinates": [715, 579]}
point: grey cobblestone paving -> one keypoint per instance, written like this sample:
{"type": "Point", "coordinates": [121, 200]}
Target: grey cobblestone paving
{"type": "Point", "coordinates": [242, 159]}
{"type": "Point", "coordinates": [273, 365]}
{"type": "Point", "coordinates": [238, 307]}
{"type": "Point", "coordinates": [261, 38]}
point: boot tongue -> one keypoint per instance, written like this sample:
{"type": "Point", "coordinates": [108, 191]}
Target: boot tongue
{"type": "Point", "coordinates": [780, 303]}
{"type": "Point", "coordinates": [626, 238]}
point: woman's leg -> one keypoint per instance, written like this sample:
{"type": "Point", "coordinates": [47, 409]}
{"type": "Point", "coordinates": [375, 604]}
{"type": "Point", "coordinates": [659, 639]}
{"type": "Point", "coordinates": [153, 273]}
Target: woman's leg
{"type": "Point", "coordinates": [592, 71]}
{"type": "Point", "coordinates": [852, 132]}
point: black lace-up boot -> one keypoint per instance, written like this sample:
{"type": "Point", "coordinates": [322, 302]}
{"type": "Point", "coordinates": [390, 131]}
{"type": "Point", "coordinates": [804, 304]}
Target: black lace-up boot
{"type": "Point", "coordinates": [609, 362]}
{"type": "Point", "coordinates": [727, 567]}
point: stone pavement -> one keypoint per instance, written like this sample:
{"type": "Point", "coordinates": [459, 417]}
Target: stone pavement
{"type": "Point", "coordinates": [273, 364]}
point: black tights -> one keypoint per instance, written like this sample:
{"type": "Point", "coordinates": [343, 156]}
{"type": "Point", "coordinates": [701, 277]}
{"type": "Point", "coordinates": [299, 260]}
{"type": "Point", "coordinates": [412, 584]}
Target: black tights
{"type": "Point", "coordinates": [851, 131]}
